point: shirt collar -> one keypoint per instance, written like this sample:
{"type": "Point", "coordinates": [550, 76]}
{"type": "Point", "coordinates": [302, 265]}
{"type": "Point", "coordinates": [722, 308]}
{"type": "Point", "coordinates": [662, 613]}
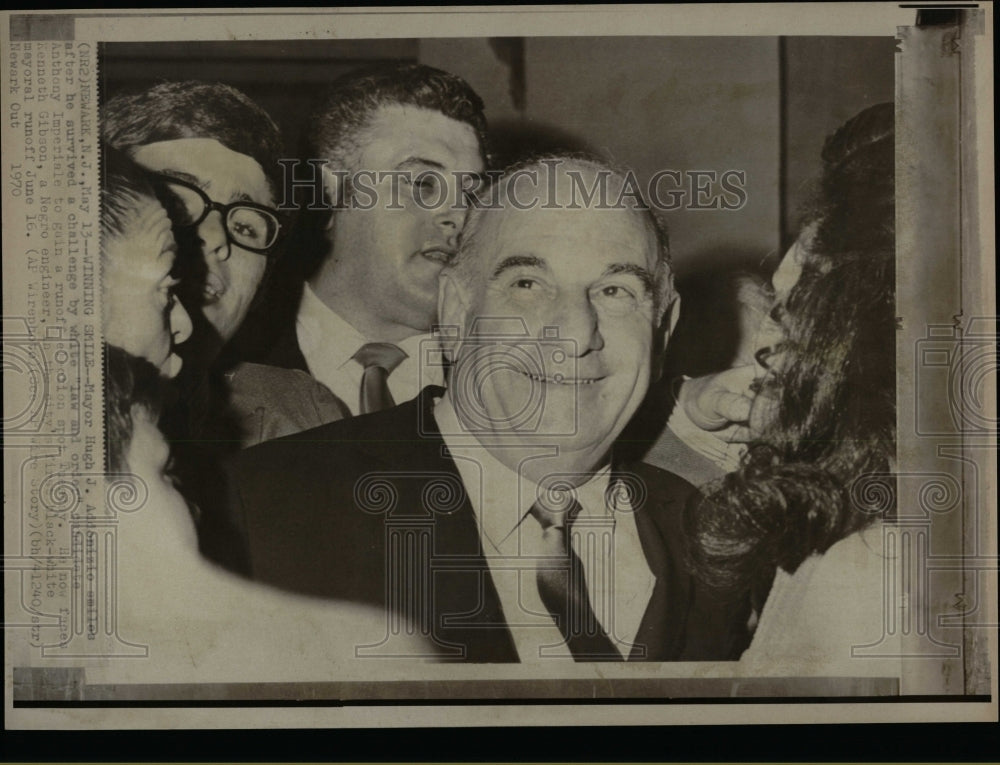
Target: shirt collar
{"type": "Point", "coordinates": [499, 496]}
{"type": "Point", "coordinates": [339, 339]}
{"type": "Point", "coordinates": [326, 330]}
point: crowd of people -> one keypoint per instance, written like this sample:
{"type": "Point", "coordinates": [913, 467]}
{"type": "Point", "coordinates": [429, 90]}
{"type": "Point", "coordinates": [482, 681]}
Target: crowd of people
{"type": "Point", "coordinates": [400, 422]}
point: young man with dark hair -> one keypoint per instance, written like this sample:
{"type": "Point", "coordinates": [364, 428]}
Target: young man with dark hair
{"type": "Point", "coordinates": [211, 156]}
{"type": "Point", "coordinates": [216, 151]}
{"type": "Point", "coordinates": [409, 133]}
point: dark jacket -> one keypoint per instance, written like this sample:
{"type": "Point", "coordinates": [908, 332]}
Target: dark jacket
{"type": "Point", "coordinates": [372, 509]}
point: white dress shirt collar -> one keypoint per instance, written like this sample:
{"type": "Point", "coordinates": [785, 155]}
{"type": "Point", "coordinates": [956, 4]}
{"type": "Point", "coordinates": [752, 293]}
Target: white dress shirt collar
{"type": "Point", "coordinates": [322, 331]}
{"type": "Point", "coordinates": [328, 343]}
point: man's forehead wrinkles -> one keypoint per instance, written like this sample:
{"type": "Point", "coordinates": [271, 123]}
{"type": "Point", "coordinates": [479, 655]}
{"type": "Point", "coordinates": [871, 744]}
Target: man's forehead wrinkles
{"type": "Point", "coordinates": [618, 240]}
{"type": "Point", "coordinates": [412, 154]}
{"type": "Point", "coordinates": [400, 132]}
{"type": "Point", "coordinates": [615, 248]}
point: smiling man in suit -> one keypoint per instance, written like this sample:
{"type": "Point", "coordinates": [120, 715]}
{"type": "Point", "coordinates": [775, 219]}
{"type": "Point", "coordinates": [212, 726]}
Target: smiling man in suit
{"type": "Point", "coordinates": [495, 512]}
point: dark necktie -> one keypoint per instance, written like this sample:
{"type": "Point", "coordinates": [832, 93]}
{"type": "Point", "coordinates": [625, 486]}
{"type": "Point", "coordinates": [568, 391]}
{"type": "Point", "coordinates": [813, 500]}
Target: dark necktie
{"type": "Point", "coordinates": [563, 587]}
{"type": "Point", "coordinates": [378, 359]}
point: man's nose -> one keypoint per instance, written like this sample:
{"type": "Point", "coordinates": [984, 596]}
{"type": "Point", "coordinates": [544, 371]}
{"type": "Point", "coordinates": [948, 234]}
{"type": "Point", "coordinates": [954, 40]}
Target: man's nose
{"type": "Point", "coordinates": [212, 233]}
{"type": "Point", "coordinates": [180, 323]}
{"type": "Point", "coordinates": [577, 321]}
{"type": "Point", "coordinates": [450, 220]}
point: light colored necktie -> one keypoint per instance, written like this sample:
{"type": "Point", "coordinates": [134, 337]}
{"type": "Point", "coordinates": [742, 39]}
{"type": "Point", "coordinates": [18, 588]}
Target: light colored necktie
{"type": "Point", "coordinates": [563, 587]}
{"type": "Point", "coordinates": [378, 359]}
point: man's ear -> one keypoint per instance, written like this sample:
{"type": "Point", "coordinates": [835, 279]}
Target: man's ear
{"type": "Point", "coordinates": [669, 322]}
{"type": "Point", "coordinates": [333, 193]}
{"type": "Point", "coordinates": [453, 308]}
{"type": "Point", "coordinates": [662, 335]}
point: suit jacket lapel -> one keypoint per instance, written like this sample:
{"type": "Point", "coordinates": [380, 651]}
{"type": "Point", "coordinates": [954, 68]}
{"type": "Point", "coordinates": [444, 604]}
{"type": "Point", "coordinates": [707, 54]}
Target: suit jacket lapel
{"type": "Point", "coordinates": [662, 625]}
{"type": "Point", "coordinates": [465, 608]}
{"type": "Point", "coordinates": [661, 630]}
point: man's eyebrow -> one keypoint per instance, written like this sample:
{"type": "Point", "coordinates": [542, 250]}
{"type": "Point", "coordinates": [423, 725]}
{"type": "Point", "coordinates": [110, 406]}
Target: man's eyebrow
{"type": "Point", "coordinates": [194, 180]}
{"type": "Point", "coordinates": [420, 161]}
{"type": "Point", "coordinates": [518, 261]}
{"type": "Point", "coordinates": [642, 274]}
{"type": "Point", "coordinates": [182, 176]}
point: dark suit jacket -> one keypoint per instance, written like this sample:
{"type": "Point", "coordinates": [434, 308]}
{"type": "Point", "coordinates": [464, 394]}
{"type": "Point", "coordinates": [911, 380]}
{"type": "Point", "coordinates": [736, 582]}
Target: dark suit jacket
{"type": "Point", "coordinates": [671, 451]}
{"type": "Point", "coordinates": [269, 402]}
{"type": "Point", "coordinates": [331, 510]}
{"type": "Point", "coordinates": [277, 395]}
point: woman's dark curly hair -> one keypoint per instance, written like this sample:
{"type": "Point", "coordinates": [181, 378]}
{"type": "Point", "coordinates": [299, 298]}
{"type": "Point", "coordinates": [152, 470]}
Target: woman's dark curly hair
{"type": "Point", "coordinates": [835, 419]}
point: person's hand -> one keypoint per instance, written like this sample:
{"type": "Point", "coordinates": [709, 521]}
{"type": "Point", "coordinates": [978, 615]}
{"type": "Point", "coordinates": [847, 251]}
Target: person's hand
{"type": "Point", "coordinates": [721, 403]}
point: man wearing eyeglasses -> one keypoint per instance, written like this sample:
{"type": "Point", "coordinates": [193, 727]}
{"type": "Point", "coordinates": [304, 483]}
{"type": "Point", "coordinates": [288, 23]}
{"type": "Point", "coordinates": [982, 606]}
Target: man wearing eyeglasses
{"type": "Point", "coordinates": [221, 150]}
{"type": "Point", "coordinates": [212, 156]}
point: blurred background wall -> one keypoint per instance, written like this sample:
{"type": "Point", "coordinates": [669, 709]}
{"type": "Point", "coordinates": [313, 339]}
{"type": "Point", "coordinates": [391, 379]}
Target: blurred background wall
{"type": "Point", "coordinates": [760, 105]}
